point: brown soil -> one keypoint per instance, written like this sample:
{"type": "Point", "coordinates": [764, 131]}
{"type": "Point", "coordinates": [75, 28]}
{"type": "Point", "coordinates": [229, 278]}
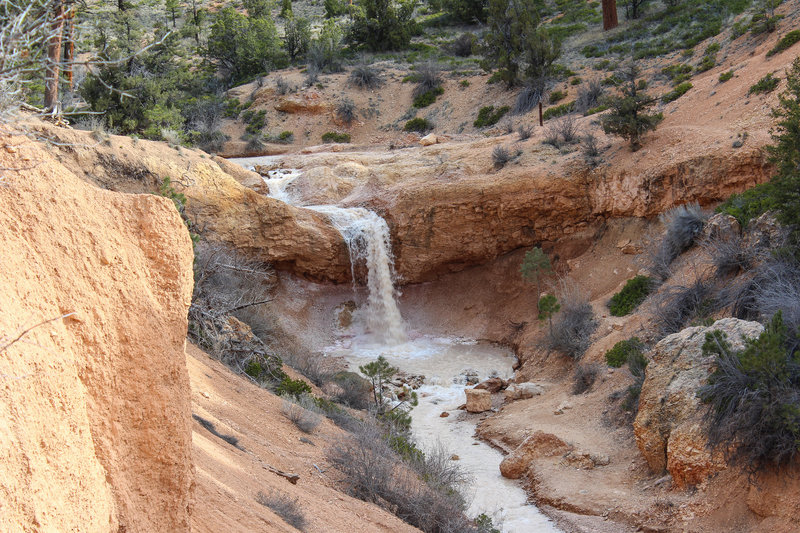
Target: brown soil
{"type": "Point", "coordinates": [229, 478]}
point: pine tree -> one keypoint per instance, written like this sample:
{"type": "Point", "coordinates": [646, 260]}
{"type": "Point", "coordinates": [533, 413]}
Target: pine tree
{"type": "Point", "coordinates": [785, 152]}
{"type": "Point", "coordinates": [628, 117]}
{"type": "Point", "coordinates": [536, 264]}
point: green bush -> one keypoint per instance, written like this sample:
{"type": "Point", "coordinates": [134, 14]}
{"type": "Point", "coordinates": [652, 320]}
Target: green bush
{"type": "Point", "coordinates": [786, 41]}
{"type": "Point", "coordinates": [594, 110]}
{"type": "Point", "coordinates": [677, 92]}
{"type": "Point", "coordinates": [335, 137]}
{"type": "Point", "coordinates": [632, 294]}
{"type": "Point", "coordinates": [754, 396]}
{"type": "Point", "coordinates": [678, 73]}
{"type": "Point", "coordinates": [286, 136]}
{"type": "Point", "coordinates": [623, 351]}
{"type": "Point", "coordinates": [725, 76]}
{"type": "Point", "coordinates": [556, 96]}
{"type": "Point", "coordinates": [750, 204]}
{"type": "Point", "coordinates": [292, 387]}
{"type": "Point", "coordinates": [244, 45]}
{"type": "Point", "coordinates": [707, 63]}
{"type": "Point", "coordinates": [558, 111]}
{"type": "Point", "coordinates": [575, 81]}
{"type": "Point", "coordinates": [418, 124]}
{"type": "Point", "coordinates": [488, 116]}
{"type": "Point", "coordinates": [427, 98]}
{"type": "Point", "coordinates": [382, 25]}
{"type": "Point", "coordinates": [767, 84]}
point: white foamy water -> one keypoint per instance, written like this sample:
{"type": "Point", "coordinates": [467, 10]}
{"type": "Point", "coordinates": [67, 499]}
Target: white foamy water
{"type": "Point", "coordinates": [442, 360]}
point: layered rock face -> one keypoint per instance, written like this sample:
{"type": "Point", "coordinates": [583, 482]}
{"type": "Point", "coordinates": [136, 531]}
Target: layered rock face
{"type": "Point", "coordinates": [95, 427]}
{"type": "Point", "coordinates": [669, 425]}
{"type": "Point", "coordinates": [448, 209]}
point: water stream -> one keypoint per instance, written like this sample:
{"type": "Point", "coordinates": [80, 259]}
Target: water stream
{"type": "Point", "coordinates": [378, 329]}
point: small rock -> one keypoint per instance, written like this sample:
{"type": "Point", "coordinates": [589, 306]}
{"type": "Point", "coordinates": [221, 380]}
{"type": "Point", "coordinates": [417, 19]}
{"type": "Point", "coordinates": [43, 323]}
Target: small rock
{"type": "Point", "coordinates": [205, 395]}
{"type": "Point", "coordinates": [444, 414]}
{"type": "Point", "coordinates": [455, 457]}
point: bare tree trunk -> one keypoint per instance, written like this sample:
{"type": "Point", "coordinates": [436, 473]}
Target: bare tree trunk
{"type": "Point", "coordinates": [54, 57]}
{"type": "Point", "coordinates": [69, 50]}
{"type": "Point", "coordinates": [609, 14]}
{"type": "Point", "coordinates": [541, 120]}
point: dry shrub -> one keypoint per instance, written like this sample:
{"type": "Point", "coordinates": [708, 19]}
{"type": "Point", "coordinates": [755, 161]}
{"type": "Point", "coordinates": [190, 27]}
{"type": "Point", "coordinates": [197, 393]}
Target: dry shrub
{"type": "Point", "coordinates": [422, 494]}
{"type": "Point", "coordinates": [501, 156]}
{"type": "Point", "coordinates": [365, 76]}
{"type": "Point", "coordinates": [284, 506]}
{"type": "Point", "coordinates": [674, 306]}
{"type": "Point", "coordinates": [430, 79]}
{"type": "Point", "coordinates": [302, 411]}
{"type": "Point", "coordinates": [346, 111]}
{"type": "Point", "coordinates": [589, 95]}
{"type": "Point", "coordinates": [351, 390]}
{"type": "Point", "coordinates": [585, 376]}
{"type": "Point", "coordinates": [574, 324]}
{"type": "Point", "coordinates": [228, 284]}
{"type": "Point", "coordinates": [730, 254]}
{"type": "Point", "coordinates": [682, 224]}
{"type": "Point", "coordinates": [528, 98]}
{"type": "Point", "coordinates": [562, 131]}
{"type": "Point", "coordinates": [313, 365]}
{"type": "Point", "coordinates": [524, 132]}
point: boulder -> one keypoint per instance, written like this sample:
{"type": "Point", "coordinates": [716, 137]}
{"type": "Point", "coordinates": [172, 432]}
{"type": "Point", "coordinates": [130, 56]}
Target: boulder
{"type": "Point", "coordinates": [493, 385]}
{"type": "Point", "coordinates": [668, 426]}
{"type": "Point", "coordinates": [478, 400]}
{"type": "Point", "coordinates": [309, 103]}
{"type": "Point", "coordinates": [538, 445]}
{"type": "Point", "coordinates": [429, 140]}
{"type": "Point", "coordinates": [522, 391]}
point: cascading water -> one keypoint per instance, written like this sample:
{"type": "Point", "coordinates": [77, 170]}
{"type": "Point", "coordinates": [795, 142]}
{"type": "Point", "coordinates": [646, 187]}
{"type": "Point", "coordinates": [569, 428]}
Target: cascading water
{"type": "Point", "coordinates": [443, 360]}
{"type": "Point", "coordinates": [368, 240]}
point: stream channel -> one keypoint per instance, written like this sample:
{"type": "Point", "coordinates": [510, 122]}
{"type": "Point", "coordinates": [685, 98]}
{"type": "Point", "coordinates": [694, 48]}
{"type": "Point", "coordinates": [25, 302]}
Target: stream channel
{"type": "Point", "coordinates": [445, 361]}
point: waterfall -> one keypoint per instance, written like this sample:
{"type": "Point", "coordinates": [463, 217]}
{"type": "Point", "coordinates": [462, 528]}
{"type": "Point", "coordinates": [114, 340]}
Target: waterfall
{"type": "Point", "coordinates": [368, 239]}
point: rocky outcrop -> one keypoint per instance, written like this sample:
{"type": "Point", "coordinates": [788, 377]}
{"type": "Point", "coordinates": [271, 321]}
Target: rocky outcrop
{"type": "Point", "coordinates": [448, 209]}
{"type": "Point", "coordinates": [221, 208]}
{"type": "Point", "coordinates": [95, 403]}
{"type": "Point", "coordinates": [540, 444]}
{"type": "Point", "coordinates": [669, 424]}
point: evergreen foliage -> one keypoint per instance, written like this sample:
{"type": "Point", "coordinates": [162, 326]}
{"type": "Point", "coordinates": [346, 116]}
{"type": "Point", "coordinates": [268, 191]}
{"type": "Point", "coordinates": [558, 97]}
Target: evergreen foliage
{"type": "Point", "coordinates": [632, 294]}
{"type": "Point", "coordinates": [754, 396]}
{"type": "Point", "coordinates": [244, 46]}
{"type": "Point", "coordinates": [535, 265]}
{"type": "Point", "coordinates": [628, 117]}
{"type": "Point", "coordinates": [516, 45]}
{"type": "Point", "coordinates": [381, 25]}
{"type": "Point", "coordinates": [782, 193]}
{"type": "Point", "coordinates": [624, 351]}
{"type": "Point", "coordinates": [297, 38]}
